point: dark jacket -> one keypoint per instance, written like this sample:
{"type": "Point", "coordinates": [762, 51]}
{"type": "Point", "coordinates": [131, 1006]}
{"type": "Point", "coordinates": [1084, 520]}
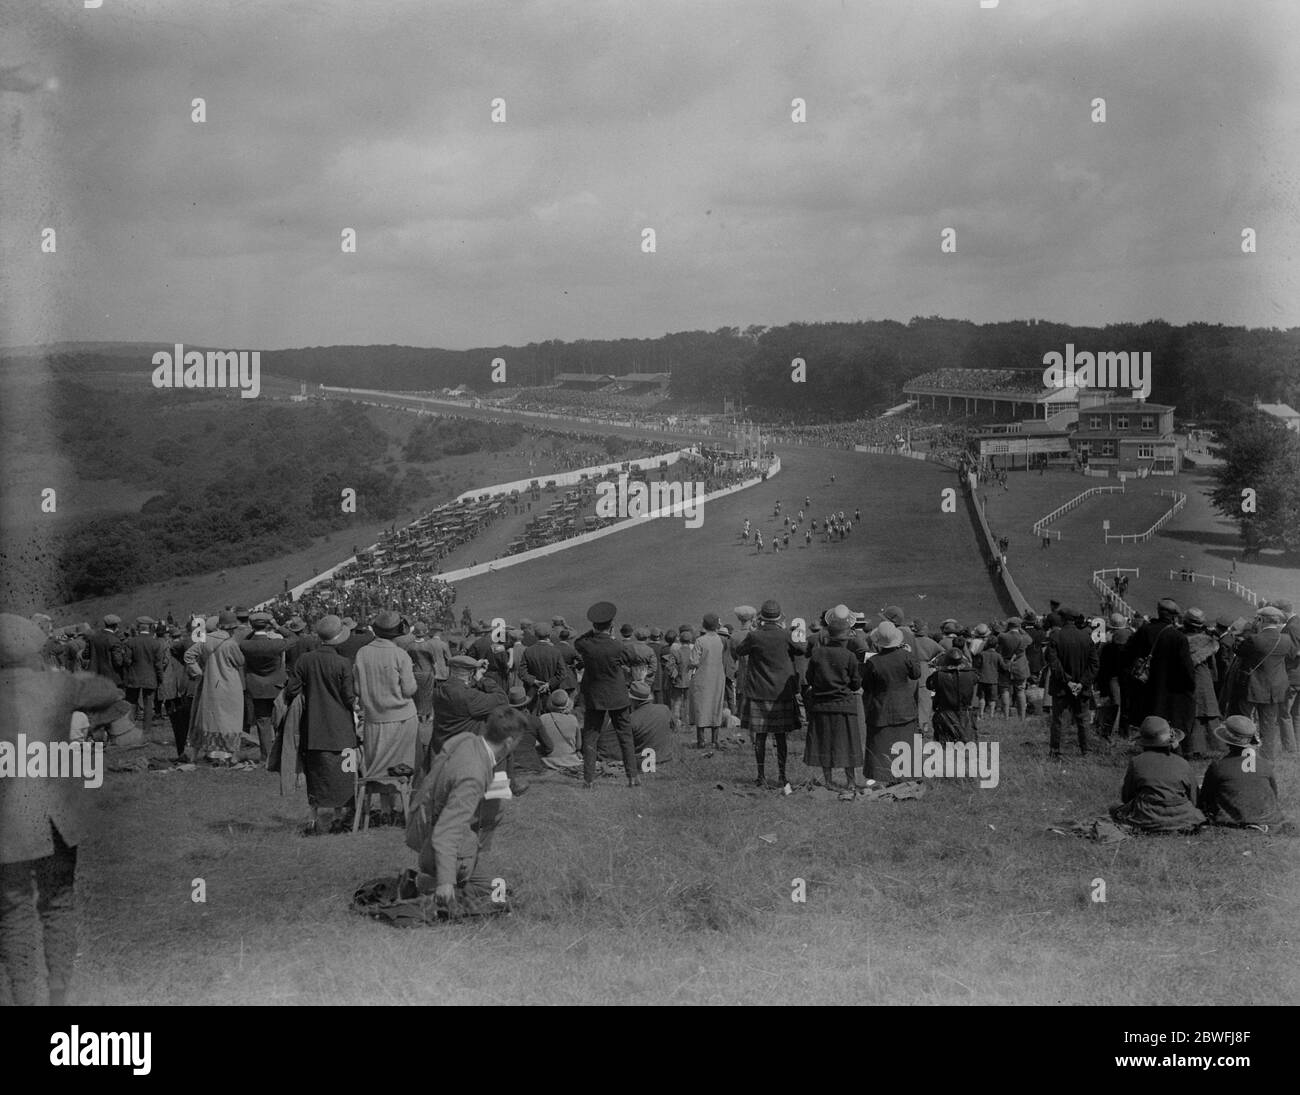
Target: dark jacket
{"type": "Point", "coordinates": [543, 664]}
{"type": "Point", "coordinates": [324, 679]}
{"type": "Point", "coordinates": [953, 687]}
{"type": "Point", "coordinates": [769, 667]}
{"type": "Point", "coordinates": [1072, 658]}
{"type": "Point", "coordinates": [1159, 793]}
{"type": "Point", "coordinates": [264, 672]}
{"type": "Point", "coordinates": [1230, 795]}
{"type": "Point", "coordinates": [1170, 691]}
{"type": "Point", "coordinates": [303, 643]}
{"type": "Point", "coordinates": [889, 694]}
{"type": "Point", "coordinates": [459, 707]}
{"type": "Point", "coordinates": [148, 662]}
{"type": "Point", "coordinates": [833, 677]}
{"type": "Point", "coordinates": [354, 642]}
{"type": "Point", "coordinates": [1263, 658]}
{"type": "Point", "coordinates": [604, 683]}
{"type": "Point", "coordinates": [106, 654]}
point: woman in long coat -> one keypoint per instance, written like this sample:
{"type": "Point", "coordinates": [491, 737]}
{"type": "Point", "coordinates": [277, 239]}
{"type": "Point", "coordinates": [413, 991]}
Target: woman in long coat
{"type": "Point", "coordinates": [889, 695]}
{"type": "Point", "coordinates": [709, 682]}
{"type": "Point", "coordinates": [218, 711]}
{"type": "Point", "coordinates": [833, 681]}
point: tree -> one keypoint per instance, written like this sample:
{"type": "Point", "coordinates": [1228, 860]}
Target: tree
{"type": "Point", "coordinates": [1258, 484]}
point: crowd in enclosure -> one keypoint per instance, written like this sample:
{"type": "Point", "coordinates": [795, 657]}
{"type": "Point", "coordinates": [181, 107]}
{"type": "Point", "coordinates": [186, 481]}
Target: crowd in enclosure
{"type": "Point", "coordinates": [446, 726]}
{"type": "Point", "coordinates": [1012, 381]}
{"type": "Point", "coordinates": [587, 401]}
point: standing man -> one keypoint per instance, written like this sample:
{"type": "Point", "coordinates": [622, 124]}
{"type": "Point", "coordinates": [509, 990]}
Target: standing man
{"type": "Point", "coordinates": [264, 676]}
{"type": "Point", "coordinates": [1291, 707]}
{"type": "Point", "coordinates": [328, 728]}
{"type": "Point", "coordinates": [143, 675]}
{"type": "Point", "coordinates": [41, 820]}
{"type": "Point", "coordinates": [708, 682]}
{"type": "Point", "coordinates": [544, 669]}
{"type": "Point", "coordinates": [1263, 658]}
{"type": "Point", "coordinates": [604, 692]}
{"type": "Point", "coordinates": [1072, 660]}
{"type": "Point", "coordinates": [461, 703]}
{"type": "Point", "coordinates": [106, 651]}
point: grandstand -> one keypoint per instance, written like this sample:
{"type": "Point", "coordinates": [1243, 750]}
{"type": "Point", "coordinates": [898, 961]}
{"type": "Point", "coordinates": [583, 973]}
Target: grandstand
{"type": "Point", "coordinates": [583, 382]}
{"type": "Point", "coordinates": [1004, 393]}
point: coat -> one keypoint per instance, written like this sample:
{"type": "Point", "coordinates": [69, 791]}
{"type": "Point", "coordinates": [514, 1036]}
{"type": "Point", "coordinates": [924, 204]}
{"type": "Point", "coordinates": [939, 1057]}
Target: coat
{"type": "Point", "coordinates": [148, 662]}
{"type": "Point", "coordinates": [324, 679]}
{"type": "Point", "coordinates": [106, 654]}
{"type": "Point", "coordinates": [1231, 795]}
{"type": "Point", "coordinates": [459, 708]}
{"type": "Point", "coordinates": [219, 709]}
{"type": "Point", "coordinates": [446, 813]}
{"type": "Point", "coordinates": [39, 703]}
{"type": "Point", "coordinates": [768, 655]}
{"type": "Point", "coordinates": [1203, 648]}
{"type": "Point", "coordinates": [1263, 658]}
{"type": "Point", "coordinates": [1170, 691]}
{"type": "Point", "coordinates": [264, 672]}
{"type": "Point", "coordinates": [1159, 794]}
{"type": "Point", "coordinates": [889, 689]}
{"type": "Point", "coordinates": [833, 676]}
{"type": "Point", "coordinates": [604, 682]}
{"type": "Point", "coordinates": [709, 682]}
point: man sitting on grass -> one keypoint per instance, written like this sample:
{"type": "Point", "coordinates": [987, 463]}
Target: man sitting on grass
{"type": "Point", "coordinates": [1159, 791]}
{"type": "Point", "coordinates": [1240, 789]}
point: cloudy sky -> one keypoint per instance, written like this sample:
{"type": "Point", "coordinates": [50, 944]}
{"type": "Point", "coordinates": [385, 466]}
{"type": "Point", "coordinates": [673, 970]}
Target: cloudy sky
{"type": "Point", "coordinates": [376, 115]}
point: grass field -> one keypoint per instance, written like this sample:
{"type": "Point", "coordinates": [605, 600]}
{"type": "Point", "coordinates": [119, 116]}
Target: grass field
{"type": "Point", "coordinates": [906, 551]}
{"type": "Point", "coordinates": [1197, 537]}
{"type": "Point", "coordinates": [668, 894]}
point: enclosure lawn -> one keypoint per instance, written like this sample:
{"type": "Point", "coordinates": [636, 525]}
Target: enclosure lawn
{"type": "Point", "coordinates": [680, 892]}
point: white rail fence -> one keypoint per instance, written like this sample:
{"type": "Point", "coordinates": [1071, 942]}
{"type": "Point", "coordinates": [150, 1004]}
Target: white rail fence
{"type": "Point", "coordinates": [1215, 580]}
{"type": "Point", "coordinates": [1107, 591]}
{"type": "Point", "coordinates": [1040, 526]}
{"type": "Point", "coordinates": [1180, 500]}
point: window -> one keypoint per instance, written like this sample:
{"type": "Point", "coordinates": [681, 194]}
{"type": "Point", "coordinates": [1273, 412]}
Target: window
{"type": "Point", "coordinates": [1121, 423]}
{"type": "Point", "coordinates": [1146, 452]}
{"type": "Point", "coordinates": [1108, 448]}
{"type": "Point", "coordinates": [1094, 422]}
{"type": "Point", "coordinates": [1148, 422]}
{"type": "Point", "coordinates": [1085, 448]}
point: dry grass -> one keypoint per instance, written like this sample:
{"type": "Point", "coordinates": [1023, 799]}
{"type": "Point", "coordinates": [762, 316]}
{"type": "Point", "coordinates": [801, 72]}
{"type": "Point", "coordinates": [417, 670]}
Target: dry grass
{"type": "Point", "coordinates": [667, 895]}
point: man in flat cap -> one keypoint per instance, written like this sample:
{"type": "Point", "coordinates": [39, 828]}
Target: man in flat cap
{"type": "Point", "coordinates": [107, 652]}
{"type": "Point", "coordinates": [1072, 660]}
{"type": "Point", "coordinates": [264, 676]}
{"type": "Point", "coordinates": [606, 663]}
{"type": "Point", "coordinates": [143, 673]}
{"type": "Point", "coordinates": [462, 703]}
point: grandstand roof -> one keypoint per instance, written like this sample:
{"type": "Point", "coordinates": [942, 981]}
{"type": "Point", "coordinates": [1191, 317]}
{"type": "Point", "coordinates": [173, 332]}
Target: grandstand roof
{"type": "Point", "coordinates": [1278, 410]}
{"type": "Point", "coordinates": [600, 379]}
{"type": "Point", "coordinates": [646, 378]}
{"type": "Point", "coordinates": [988, 383]}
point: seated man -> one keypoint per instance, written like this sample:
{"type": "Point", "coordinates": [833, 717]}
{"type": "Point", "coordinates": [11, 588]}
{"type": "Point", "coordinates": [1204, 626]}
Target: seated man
{"type": "Point", "coordinates": [1240, 789]}
{"type": "Point", "coordinates": [652, 724]}
{"type": "Point", "coordinates": [1159, 791]}
{"type": "Point", "coordinates": [560, 732]}
{"type": "Point", "coordinates": [451, 824]}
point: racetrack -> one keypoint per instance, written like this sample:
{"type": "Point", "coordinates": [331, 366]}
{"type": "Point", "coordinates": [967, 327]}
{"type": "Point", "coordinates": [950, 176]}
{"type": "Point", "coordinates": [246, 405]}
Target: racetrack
{"type": "Point", "coordinates": [905, 551]}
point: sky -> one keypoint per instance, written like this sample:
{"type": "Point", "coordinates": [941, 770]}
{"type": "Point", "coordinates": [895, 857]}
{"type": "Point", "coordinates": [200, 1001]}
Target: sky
{"type": "Point", "coordinates": [921, 115]}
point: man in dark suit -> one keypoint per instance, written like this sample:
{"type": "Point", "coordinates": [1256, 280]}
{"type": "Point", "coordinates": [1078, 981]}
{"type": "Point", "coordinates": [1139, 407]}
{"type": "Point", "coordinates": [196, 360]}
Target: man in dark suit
{"type": "Point", "coordinates": [1264, 656]}
{"type": "Point", "coordinates": [143, 675]}
{"type": "Point", "coordinates": [461, 704]}
{"type": "Point", "coordinates": [107, 650]}
{"type": "Point", "coordinates": [544, 670]}
{"type": "Point", "coordinates": [1072, 660]}
{"type": "Point", "coordinates": [327, 731]}
{"type": "Point", "coordinates": [604, 691]}
{"type": "Point", "coordinates": [264, 676]}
